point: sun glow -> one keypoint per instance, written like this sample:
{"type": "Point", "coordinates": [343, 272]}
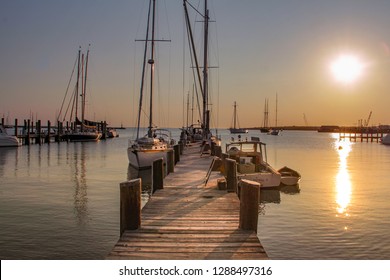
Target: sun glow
{"type": "Point", "coordinates": [347, 68]}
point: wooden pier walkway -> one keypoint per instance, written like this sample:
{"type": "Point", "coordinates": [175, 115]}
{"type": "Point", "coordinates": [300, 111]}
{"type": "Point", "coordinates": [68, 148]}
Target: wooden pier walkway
{"type": "Point", "coordinates": [190, 221]}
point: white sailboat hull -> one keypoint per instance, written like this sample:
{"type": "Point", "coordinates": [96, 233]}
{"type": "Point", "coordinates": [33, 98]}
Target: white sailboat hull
{"type": "Point", "coordinates": [143, 159]}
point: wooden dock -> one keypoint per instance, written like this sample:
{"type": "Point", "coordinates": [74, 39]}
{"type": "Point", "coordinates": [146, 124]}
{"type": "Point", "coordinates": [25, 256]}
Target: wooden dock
{"type": "Point", "coordinates": [361, 136]}
{"type": "Point", "coordinates": [187, 220]}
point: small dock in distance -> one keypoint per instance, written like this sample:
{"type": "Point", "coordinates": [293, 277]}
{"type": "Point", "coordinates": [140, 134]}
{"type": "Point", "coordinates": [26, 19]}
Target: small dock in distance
{"type": "Point", "coordinates": [189, 220]}
{"type": "Point", "coordinates": [361, 136]}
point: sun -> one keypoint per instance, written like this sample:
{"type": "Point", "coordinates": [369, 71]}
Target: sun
{"type": "Point", "coordinates": [347, 68]}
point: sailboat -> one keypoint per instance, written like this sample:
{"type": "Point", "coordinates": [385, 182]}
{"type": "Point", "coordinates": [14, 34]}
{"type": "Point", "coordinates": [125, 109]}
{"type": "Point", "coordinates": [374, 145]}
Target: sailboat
{"type": "Point", "coordinates": [83, 129]}
{"type": "Point", "coordinates": [265, 128]}
{"type": "Point", "coordinates": [157, 142]}
{"type": "Point", "coordinates": [275, 131]}
{"type": "Point", "coordinates": [235, 129]}
{"type": "Point", "coordinates": [202, 80]}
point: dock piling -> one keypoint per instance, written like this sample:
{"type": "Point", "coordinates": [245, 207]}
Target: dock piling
{"type": "Point", "coordinates": [231, 177]}
{"type": "Point", "coordinates": [158, 175]}
{"type": "Point", "coordinates": [249, 204]}
{"type": "Point", "coordinates": [176, 148]}
{"type": "Point", "coordinates": [130, 205]}
{"type": "Point", "coordinates": [170, 161]}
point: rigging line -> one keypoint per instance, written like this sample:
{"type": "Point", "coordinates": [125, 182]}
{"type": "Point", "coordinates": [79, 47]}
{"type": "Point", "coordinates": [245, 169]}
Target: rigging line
{"type": "Point", "coordinates": [67, 109]}
{"type": "Point", "coordinates": [195, 84]}
{"type": "Point", "coordinates": [195, 9]}
{"type": "Point", "coordinates": [183, 70]}
{"type": "Point", "coordinates": [193, 55]}
{"type": "Point", "coordinates": [143, 71]}
{"type": "Point", "coordinates": [74, 104]}
{"type": "Point", "coordinates": [67, 89]}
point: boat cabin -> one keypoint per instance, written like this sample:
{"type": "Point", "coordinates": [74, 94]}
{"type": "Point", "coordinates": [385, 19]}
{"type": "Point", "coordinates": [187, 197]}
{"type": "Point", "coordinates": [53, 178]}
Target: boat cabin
{"type": "Point", "coordinates": [249, 155]}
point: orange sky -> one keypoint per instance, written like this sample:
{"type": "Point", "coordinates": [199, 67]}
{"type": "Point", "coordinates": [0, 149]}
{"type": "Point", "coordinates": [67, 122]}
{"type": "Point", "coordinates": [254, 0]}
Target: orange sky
{"type": "Point", "coordinates": [260, 47]}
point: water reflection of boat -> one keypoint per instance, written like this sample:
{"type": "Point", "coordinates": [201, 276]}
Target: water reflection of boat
{"type": "Point", "coordinates": [269, 195]}
{"type": "Point", "coordinates": [144, 174]}
{"type": "Point", "coordinates": [294, 189]}
{"type": "Point", "coordinates": [289, 177]}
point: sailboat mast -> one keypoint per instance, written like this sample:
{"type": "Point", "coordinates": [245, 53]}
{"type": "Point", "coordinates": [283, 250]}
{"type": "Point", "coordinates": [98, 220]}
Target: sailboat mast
{"type": "Point", "coordinates": [143, 73]}
{"type": "Point", "coordinates": [276, 112]}
{"type": "Point", "coordinates": [192, 104]}
{"type": "Point", "coordinates": [188, 108]}
{"type": "Point", "coordinates": [206, 113]}
{"type": "Point", "coordinates": [84, 92]}
{"type": "Point", "coordinates": [235, 115]}
{"type": "Point", "coordinates": [77, 84]}
{"type": "Point", "coordinates": [151, 62]}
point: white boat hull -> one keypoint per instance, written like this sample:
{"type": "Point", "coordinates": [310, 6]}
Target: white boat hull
{"type": "Point", "coordinates": [143, 159]}
{"type": "Point", "coordinates": [9, 141]}
{"type": "Point", "coordinates": [290, 177]}
{"type": "Point", "coordinates": [289, 181]}
{"type": "Point", "coordinates": [266, 179]}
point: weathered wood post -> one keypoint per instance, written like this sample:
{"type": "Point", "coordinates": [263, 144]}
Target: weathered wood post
{"type": "Point", "coordinates": [223, 167]}
{"type": "Point", "coordinates": [16, 127]}
{"type": "Point", "coordinates": [28, 132]}
{"type": "Point", "coordinates": [212, 148]}
{"type": "Point", "coordinates": [47, 138]}
{"type": "Point", "coordinates": [176, 148]}
{"type": "Point", "coordinates": [38, 136]}
{"type": "Point", "coordinates": [181, 146]}
{"type": "Point", "coordinates": [103, 130]}
{"type": "Point", "coordinates": [231, 175]}
{"type": "Point", "coordinates": [58, 137]}
{"type": "Point", "coordinates": [130, 205]}
{"type": "Point", "coordinates": [170, 161]}
{"type": "Point", "coordinates": [218, 151]}
{"type": "Point", "coordinates": [249, 204]}
{"type": "Point", "coordinates": [158, 175]}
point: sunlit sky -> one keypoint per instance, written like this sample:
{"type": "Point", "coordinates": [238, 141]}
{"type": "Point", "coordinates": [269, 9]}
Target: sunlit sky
{"type": "Point", "coordinates": [261, 48]}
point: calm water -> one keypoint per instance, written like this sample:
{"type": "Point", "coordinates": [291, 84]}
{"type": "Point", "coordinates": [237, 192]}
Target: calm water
{"type": "Point", "coordinates": [62, 201]}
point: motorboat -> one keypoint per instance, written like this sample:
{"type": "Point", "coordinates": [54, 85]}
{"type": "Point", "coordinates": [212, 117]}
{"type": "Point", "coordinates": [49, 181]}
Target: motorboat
{"type": "Point", "coordinates": [112, 133]}
{"type": "Point", "coordinates": [274, 132]}
{"type": "Point", "coordinates": [251, 158]}
{"type": "Point", "coordinates": [7, 140]}
{"type": "Point", "coordinates": [290, 177]}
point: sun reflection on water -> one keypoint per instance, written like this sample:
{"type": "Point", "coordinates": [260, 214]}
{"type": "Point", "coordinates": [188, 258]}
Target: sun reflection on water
{"type": "Point", "coordinates": [343, 182]}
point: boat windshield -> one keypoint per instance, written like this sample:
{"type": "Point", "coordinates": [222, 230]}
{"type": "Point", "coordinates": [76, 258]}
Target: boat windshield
{"type": "Point", "coordinates": [247, 147]}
